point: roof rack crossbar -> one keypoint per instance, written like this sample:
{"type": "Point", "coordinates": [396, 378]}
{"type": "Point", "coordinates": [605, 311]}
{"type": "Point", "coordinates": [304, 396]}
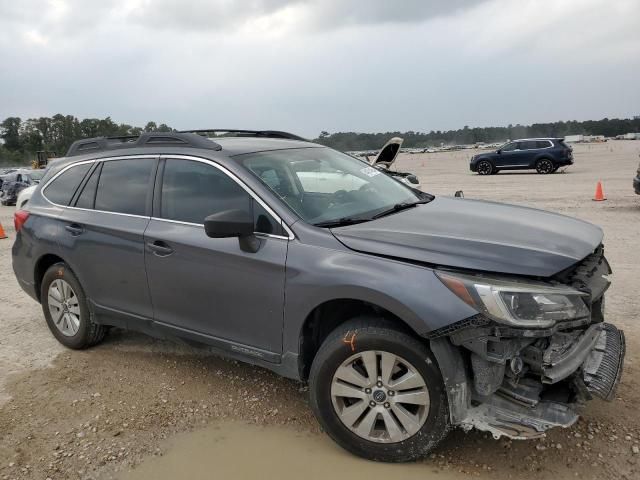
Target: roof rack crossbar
{"type": "Point", "coordinates": [248, 133]}
{"type": "Point", "coordinates": [147, 139]}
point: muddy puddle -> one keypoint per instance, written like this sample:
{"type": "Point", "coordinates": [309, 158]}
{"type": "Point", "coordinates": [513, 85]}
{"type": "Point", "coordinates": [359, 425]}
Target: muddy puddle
{"type": "Point", "coordinates": [238, 451]}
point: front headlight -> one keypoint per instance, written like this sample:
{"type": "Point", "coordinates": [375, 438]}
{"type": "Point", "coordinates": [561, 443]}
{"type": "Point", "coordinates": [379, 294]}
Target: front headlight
{"type": "Point", "coordinates": [517, 303]}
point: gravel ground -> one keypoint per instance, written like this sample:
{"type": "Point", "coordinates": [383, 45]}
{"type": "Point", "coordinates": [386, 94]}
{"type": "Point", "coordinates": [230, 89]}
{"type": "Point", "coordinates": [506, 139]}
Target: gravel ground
{"type": "Point", "coordinates": [98, 413]}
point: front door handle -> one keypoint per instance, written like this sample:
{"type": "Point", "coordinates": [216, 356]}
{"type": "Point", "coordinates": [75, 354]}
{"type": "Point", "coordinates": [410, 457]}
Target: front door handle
{"type": "Point", "coordinates": [160, 248]}
{"type": "Point", "coordinates": [74, 229]}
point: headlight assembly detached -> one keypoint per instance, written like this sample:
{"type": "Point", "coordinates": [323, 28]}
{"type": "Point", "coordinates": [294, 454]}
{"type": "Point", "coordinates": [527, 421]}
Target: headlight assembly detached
{"type": "Point", "coordinates": [517, 303]}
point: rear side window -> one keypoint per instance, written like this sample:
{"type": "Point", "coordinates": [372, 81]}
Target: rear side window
{"type": "Point", "coordinates": [543, 143]}
{"type": "Point", "coordinates": [191, 191]}
{"type": "Point", "coordinates": [124, 185]}
{"type": "Point", "coordinates": [62, 188]}
{"type": "Point", "coordinates": [88, 195]}
{"type": "Point", "coordinates": [528, 145]}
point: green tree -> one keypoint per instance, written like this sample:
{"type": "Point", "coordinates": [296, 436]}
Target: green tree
{"type": "Point", "coordinates": [10, 133]}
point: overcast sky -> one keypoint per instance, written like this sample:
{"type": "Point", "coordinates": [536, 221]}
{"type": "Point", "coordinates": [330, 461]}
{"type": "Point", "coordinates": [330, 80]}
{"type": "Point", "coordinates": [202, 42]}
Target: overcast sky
{"type": "Point", "coordinates": [312, 65]}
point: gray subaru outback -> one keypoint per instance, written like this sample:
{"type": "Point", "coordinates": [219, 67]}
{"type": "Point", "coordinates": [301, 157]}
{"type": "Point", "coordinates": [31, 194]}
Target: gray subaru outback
{"type": "Point", "coordinates": [407, 314]}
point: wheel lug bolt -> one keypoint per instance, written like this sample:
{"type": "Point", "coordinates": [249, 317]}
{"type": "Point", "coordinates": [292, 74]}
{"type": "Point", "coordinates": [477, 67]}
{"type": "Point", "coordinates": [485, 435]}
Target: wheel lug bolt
{"type": "Point", "coordinates": [387, 405]}
{"type": "Point", "coordinates": [379, 384]}
{"type": "Point", "coordinates": [367, 390]}
{"type": "Point", "coordinates": [391, 393]}
{"type": "Point", "coordinates": [372, 403]}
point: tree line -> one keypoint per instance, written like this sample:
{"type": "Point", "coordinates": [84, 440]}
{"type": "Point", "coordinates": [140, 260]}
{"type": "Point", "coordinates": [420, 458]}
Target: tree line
{"type": "Point", "coordinates": [21, 139]}
{"type": "Point", "coordinates": [609, 127]}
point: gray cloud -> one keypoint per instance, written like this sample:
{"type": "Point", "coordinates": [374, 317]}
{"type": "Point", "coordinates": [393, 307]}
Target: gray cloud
{"type": "Point", "coordinates": [315, 14]}
{"type": "Point", "coordinates": [321, 65]}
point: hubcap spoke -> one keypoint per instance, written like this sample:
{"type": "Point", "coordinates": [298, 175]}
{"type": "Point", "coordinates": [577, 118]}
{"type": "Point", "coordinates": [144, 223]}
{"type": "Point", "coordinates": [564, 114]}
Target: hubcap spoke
{"type": "Point", "coordinates": [339, 389]}
{"type": "Point", "coordinates": [387, 362]}
{"type": "Point", "coordinates": [349, 374]}
{"type": "Point", "coordinates": [407, 381]}
{"type": "Point", "coordinates": [370, 361]}
{"type": "Point", "coordinates": [409, 422]}
{"type": "Point", "coordinates": [365, 428]}
{"type": "Point", "coordinates": [351, 414]}
{"type": "Point", "coordinates": [58, 318]}
{"type": "Point", "coordinates": [419, 397]}
{"type": "Point", "coordinates": [393, 429]}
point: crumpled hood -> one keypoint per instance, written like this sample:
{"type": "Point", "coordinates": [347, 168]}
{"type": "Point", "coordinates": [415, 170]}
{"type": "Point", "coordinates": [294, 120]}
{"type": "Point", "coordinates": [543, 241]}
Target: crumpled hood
{"type": "Point", "coordinates": [477, 235]}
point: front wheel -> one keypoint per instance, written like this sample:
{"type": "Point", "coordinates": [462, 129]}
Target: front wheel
{"type": "Point", "coordinates": [378, 392]}
{"type": "Point", "coordinates": [544, 166]}
{"type": "Point", "coordinates": [485, 167]}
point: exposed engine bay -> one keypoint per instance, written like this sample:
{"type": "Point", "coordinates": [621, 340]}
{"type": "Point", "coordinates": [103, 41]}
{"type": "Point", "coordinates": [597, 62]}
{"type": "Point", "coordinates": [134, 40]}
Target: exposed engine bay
{"type": "Point", "coordinates": [519, 382]}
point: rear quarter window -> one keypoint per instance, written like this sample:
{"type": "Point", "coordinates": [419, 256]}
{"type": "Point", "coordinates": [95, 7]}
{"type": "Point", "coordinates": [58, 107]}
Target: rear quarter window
{"type": "Point", "coordinates": [62, 188]}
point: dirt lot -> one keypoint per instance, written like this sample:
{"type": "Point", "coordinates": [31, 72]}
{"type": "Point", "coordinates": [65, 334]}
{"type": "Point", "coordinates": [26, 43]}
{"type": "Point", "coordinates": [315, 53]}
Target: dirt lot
{"type": "Point", "coordinates": [143, 408]}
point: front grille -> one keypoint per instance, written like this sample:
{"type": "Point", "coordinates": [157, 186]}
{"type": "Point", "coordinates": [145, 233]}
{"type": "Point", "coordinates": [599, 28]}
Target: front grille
{"type": "Point", "coordinates": [603, 368]}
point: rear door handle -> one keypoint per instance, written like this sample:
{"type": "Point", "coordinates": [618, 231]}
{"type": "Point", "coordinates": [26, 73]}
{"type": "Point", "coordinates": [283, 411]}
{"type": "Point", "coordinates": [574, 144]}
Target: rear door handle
{"type": "Point", "coordinates": [74, 229]}
{"type": "Point", "coordinates": [160, 248]}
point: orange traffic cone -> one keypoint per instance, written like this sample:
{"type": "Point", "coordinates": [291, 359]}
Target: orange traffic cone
{"type": "Point", "coordinates": [599, 193]}
{"type": "Point", "coordinates": [2, 234]}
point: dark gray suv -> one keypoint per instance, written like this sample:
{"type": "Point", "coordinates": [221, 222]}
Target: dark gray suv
{"type": "Point", "coordinates": [406, 313]}
{"type": "Point", "coordinates": [545, 155]}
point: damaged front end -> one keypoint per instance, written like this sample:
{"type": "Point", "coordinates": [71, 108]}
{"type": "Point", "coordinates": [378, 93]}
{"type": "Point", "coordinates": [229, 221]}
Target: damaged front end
{"type": "Point", "coordinates": [530, 358]}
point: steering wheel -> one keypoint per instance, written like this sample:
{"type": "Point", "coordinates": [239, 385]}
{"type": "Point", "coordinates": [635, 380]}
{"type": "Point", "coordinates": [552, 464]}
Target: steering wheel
{"type": "Point", "coordinates": [339, 197]}
{"type": "Point", "coordinates": [367, 188]}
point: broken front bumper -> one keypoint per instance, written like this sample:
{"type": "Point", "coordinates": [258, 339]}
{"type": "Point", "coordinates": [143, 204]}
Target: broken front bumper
{"type": "Point", "coordinates": [537, 384]}
{"type": "Point", "coordinates": [590, 365]}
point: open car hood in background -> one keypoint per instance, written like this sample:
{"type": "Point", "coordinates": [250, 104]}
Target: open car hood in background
{"type": "Point", "coordinates": [388, 153]}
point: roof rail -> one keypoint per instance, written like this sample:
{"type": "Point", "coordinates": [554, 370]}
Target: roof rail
{"type": "Point", "coordinates": [248, 133]}
{"type": "Point", "coordinates": [147, 139]}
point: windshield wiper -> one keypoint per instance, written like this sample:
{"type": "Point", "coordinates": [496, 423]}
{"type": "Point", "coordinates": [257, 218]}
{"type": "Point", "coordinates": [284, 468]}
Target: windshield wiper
{"type": "Point", "coordinates": [398, 207]}
{"type": "Point", "coordinates": [341, 222]}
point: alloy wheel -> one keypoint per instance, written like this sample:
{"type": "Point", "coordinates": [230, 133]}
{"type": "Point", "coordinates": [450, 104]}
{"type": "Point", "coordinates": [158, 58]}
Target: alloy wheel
{"type": "Point", "coordinates": [380, 396]}
{"type": "Point", "coordinates": [485, 168]}
{"type": "Point", "coordinates": [64, 307]}
{"type": "Point", "coordinates": [544, 166]}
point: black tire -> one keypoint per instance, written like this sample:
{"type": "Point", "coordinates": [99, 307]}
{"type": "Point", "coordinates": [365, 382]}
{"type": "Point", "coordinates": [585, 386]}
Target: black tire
{"type": "Point", "coordinates": [370, 333]}
{"type": "Point", "coordinates": [89, 333]}
{"type": "Point", "coordinates": [545, 166]}
{"type": "Point", "coordinates": [495, 171]}
{"type": "Point", "coordinates": [485, 167]}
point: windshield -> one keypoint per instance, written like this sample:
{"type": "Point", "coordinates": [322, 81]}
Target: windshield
{"type": "Point", "coordinates": [323, 185]}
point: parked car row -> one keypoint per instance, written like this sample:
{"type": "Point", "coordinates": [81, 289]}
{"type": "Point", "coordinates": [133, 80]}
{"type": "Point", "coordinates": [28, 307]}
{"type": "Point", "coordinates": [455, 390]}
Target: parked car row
{"type": "Point", "coordinates": [16, 181]}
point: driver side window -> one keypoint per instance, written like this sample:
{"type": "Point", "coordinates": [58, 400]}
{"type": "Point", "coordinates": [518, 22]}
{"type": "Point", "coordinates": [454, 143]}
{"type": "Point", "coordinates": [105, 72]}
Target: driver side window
{"type": "Point", "coordinates": [510, 147]}
{"type": "Point", "coordinates": [191, 191]}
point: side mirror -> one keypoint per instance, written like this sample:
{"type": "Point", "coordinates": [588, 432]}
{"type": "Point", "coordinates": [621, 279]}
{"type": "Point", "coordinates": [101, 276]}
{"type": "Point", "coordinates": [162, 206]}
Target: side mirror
{"type": "Point", "coordinates": [413, 179]}
{"type": "Point", "coordinates": [499, 151]}
{"type": "Point", "coordinates": [229, 223]}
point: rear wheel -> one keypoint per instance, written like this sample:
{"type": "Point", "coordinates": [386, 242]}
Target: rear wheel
{"type": "Point", "coordinates": [485, 167]}
{"type": "Point", "coordinates": [544, 166]}
{"type": "Point", "coordinates": [378, 392]}
{"type": "Point", "coordinates": [65, 308]}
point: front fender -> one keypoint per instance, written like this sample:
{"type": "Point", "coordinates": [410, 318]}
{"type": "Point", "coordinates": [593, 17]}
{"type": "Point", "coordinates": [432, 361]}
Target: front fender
{"type": "Point", "coordinates": [413, 293]}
